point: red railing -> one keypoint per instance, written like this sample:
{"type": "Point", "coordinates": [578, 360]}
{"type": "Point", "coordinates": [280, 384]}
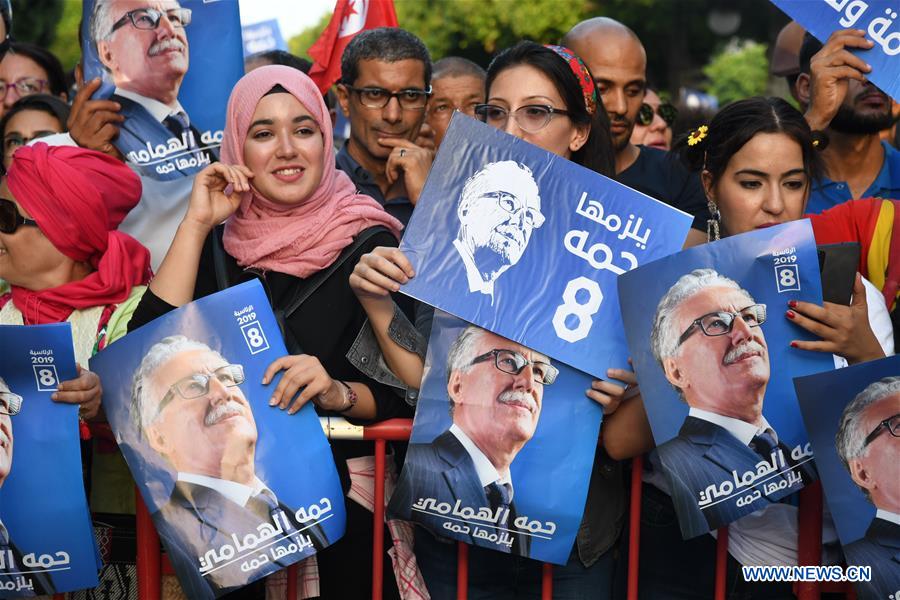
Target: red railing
{"type": "Point", "coordinates": [150, 565]}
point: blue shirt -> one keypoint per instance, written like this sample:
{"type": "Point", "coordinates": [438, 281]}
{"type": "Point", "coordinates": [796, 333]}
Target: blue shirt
{"type": "Point", "coordinates": [827, 193]}
{"type": "Point", "coordinates": [399, 208]}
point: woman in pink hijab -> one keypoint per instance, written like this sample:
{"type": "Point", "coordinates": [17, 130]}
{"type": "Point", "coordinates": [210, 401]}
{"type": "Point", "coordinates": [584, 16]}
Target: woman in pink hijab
{"type": "Point", "coordinates": [295, 222]}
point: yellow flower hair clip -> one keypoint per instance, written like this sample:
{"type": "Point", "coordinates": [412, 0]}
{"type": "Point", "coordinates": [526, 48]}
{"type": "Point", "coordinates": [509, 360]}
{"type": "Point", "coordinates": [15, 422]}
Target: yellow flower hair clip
{"type": "Point", "coordinates": [697, 136]}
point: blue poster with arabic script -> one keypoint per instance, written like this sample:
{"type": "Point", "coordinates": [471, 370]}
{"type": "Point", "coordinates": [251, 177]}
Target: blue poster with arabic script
{"type": "Point", "coordinates": [528, 244]}
{"type": "Point", "coordinates": [853, 419]}
{"type": "Point", "coordinates": [878, 18]}
{"type": "Point", "coordinates": [237, 489]}
{"type": "Point", "coordinates": [170, 67]}
{"type": "Point", "coordinates": [46, 537]}
{"type": "Point", "coordinates": [502, 445]}
{"type": "Point", "coordinates": [710, 337]}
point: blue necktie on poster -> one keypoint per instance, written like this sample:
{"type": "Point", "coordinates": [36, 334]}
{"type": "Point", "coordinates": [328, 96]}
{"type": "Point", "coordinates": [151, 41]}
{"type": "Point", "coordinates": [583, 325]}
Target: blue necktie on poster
{"type": "Point", "coordinates": [528, 245]}
{"type": "Point", "coordinates": [46, 539]}
{"type": "Point", "coordinates": [878, 18]}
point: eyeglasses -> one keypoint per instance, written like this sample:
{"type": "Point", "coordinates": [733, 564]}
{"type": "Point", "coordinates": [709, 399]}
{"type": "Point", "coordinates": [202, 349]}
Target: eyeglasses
{"type": "Point", "coordinates": [514, 206]}
{"type": "Point", "coordinates": [376, 97]}
{"type": "Point", "coordinates": [14, 141]}
{"type": "Point", "coordinates": [512, 362]}
{"type": "Point", "coordinates": [445, 110]}
{"type": "Point", "coordinates": [10, 219]}
{"type": "Point", "coordinates": [10, 404]}
{"type": "Point", "coordinates": [24, 87]}
{"type": "Point", "coordinates": [892, 424]}
{"type": "Point", "coordinates": [148, 18]}
{"type": "Point", "coordinates": [197, 384]}
{"type": "Point", "coordinates": [531, 118]}
{"type": "Point", "coordinates": [722, 322]}
{"type": "Point", "coordinates": [666, 111]}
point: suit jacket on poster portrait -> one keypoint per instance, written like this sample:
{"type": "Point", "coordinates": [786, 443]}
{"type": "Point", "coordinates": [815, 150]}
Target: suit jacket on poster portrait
{"type": "Point", "coordinates": [705, 454]}
{"type": "Point", "coordinates": [443, 470]}
{"type": "Point", "coordinates": [198, 519]}
{"type": "Point", "coordinates": [879, 549]}
{"type": "Point", "coordinates": [40, 582]}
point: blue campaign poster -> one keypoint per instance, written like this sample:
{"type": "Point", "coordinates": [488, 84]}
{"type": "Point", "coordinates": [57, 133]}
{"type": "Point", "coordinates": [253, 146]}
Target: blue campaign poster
{"type": "Point", "coordinates": [497, 458]}
{"type": "Point", "coordinates": [237, 489]}
{"type": "Point", "coordinates": [46, 537]}
{"type": "Point", "coordinates": [853, 419]}
{"type": "Point", "coordinates": [710, 339]}
{"type": "Point", "coordinates": [171, 70]}
{"type": "Point", "coordinates": [878, 18]}
{"type": "Point", "coordinates": [528, 244]}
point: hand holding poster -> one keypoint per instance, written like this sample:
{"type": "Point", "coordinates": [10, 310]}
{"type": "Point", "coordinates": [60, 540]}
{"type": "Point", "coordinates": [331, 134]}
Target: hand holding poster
{"type": "Point", "coordinates": [237, 489]}
{"type": "Point", "coordinates": [711, 350]}
{"type": "Point", "coordinates": [878, 18]}
{"type": "Point", "coordinates": [502, 445]}
{"type": "Point", "coordinates": [853, 419]}
{"type": "Point", "coordinates": [46, 538]}
{"type": "Point", "coordinates": [174, 115]}
{"type": "Point", "coordinates": [501, 223]}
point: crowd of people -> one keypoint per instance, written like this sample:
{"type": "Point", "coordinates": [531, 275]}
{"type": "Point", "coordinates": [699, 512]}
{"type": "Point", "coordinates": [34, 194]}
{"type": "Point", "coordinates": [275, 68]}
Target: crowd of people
{"type": "Point", "coordinates": [86, 238]}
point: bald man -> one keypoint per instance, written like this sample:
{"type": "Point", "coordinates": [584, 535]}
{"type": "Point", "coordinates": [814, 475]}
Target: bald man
{"type": "Point", "coordinates": [618, 62]}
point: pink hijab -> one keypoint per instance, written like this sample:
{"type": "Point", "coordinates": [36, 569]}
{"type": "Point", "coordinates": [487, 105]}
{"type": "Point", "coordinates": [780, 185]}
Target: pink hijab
{"type": "Point", "coordinates": [306, 237]}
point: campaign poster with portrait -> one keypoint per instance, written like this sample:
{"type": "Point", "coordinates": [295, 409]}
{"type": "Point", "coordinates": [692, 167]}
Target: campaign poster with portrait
{"type": "Point", "coordinates": [171, 66]}
{"type": "Point", "coordinates": [46, 536]}
{"type": "Point", "coordinates": [878, 18]}
{"type": "Point", "coordinates": [710, 340]}
{"type": "Point", "coordinates": [237, 489]}
{"type": "Point", "coordinates": [502, 445]}
{"type": "Point", "coordinates": [528, 244]}
{"type": "Point", "coordinates": [853, 419]}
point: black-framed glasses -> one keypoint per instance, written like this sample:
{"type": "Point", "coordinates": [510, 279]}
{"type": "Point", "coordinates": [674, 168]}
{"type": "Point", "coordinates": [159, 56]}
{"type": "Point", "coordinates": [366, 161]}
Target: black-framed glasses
{"type": "Point", "coordinates": [10, 219]}
{"type": "Point", "coordinates": [148, 18]}
{"type": "Point", "coordinates": [512, 362]}
{"type": "Point", "coordinates": [722, 322]}
{"type": "Point", "coordinates": [666, 111]}
{"type": "Point", "coordinates": [196, 385]}
{"type": "Point", "coordinates": [530, 118]}
{"type": "Point", "coordinates": [24, 87]}
{"type": "Point", "coordinates": [891, 424]}
{"type": "Point", "coordinates": [10, 404]}
{"type": "Point", "coordinates": [514, 206]}
{"type": "Point", "coordinates": [376, 97]}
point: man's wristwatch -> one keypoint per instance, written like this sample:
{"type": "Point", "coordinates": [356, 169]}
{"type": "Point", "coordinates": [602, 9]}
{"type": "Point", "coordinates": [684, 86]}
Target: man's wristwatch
{"type": "Point", "coordinates": [351, 398]}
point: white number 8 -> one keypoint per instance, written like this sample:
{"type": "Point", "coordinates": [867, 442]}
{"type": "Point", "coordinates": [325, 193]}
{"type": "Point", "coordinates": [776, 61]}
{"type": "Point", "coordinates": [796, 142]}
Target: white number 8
{"type": "Point", "coordinates": [254, 337]}
{"type": "Point", "coordinates": [583, 311]}
{"type": "Point", "coordinates": [47, 377]}
{"type": "Point", "coordinates": [787, 278]}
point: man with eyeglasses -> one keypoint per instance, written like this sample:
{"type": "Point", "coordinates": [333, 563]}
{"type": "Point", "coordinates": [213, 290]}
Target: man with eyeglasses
{"type": "Point", "coordinates": [498, 209]}
{"type": "Point", "coordinates": [495, 388]}
{"type": "Point", "coordinates": [458, 85]}
{"type": "Point", "coordinates": [383, 91]}
{"type": "Point", "coordinates": [188, 406]}
{"type": "Point", "coordinates": [868, 446]}
{"type": "Point", "coordinates": [10, 405]}
{"type": "Point", "coordinates": [143, 45]}
{"type": "Point", "coordinates": [708, 339]}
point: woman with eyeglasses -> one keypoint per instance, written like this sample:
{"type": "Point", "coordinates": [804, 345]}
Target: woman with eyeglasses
{"type": "Point", "coordinates": [295, 223]}
{"type": "Point", "coordinates": [28, 69]}
{"type": "Point", "coordinates": [544, 95]}
{"type": "Point", "coordinates": [756, 159]}
{"type": "Point", "coordinates": [30, 118]}
{"type": "Point", "coordinates": [654, 123]}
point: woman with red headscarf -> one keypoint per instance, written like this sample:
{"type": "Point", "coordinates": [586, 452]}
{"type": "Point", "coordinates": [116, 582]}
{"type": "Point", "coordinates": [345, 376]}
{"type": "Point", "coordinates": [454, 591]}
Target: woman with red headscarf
{"type": "Point", "coordinates": [62, 256]}
{"type": "Point", "coordinates": [297, 223]}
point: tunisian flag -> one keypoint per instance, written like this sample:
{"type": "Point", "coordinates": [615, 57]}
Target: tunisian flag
{"type": "Point", "coordinates": [349, 18]}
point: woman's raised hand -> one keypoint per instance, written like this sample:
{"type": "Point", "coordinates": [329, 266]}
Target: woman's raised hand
{"type": "Point", "coordinates": [380, 272]}
{"type": "Point", "coordinates": [210, 204]}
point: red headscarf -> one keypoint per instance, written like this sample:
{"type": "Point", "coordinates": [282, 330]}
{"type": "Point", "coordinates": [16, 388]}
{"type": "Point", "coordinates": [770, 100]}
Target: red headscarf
{"type": "Point", "coordinates": [78, 198]}
{"type": "Point", "coordinates": [306, 237]}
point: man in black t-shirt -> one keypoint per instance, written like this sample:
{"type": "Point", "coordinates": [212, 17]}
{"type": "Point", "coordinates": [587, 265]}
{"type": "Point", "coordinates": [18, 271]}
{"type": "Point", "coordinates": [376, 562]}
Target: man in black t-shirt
{"type": "Point", "coordinates": [618, 62]}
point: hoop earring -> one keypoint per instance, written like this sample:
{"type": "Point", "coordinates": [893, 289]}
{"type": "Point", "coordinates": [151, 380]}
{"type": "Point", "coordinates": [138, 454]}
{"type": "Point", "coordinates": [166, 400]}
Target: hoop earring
{"type": "Point", "coordinates": [712, 224]}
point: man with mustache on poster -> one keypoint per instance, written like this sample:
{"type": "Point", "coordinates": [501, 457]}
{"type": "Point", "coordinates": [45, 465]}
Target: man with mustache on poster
{"type": "Point", "coordinates": [708, 339]}
{"type": "Point", "coordinates": [188, 406]}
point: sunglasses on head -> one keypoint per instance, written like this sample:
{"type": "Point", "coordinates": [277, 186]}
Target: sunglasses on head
{"type": "Point", "coordinates": [10, 219]}
{"type": "Point", "coordinates": [666, 111]}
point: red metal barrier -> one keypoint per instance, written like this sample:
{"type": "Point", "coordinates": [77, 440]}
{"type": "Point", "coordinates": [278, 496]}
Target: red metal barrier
{"type": "Point", "coordinates": [721, 562]}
